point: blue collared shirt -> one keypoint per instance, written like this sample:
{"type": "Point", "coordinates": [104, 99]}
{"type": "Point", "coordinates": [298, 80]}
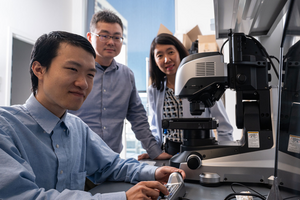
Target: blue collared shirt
{"type": "Point", "coordinates": [113, 98]}
{"type": "Point", "coordinates": [45, 157]}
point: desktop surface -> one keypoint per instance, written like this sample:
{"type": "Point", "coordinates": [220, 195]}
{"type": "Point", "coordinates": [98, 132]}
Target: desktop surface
{"type": "Point", "coordinates": [194, 190]}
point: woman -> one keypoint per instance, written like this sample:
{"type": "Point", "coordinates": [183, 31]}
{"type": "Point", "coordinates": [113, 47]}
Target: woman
{"type": "Point", "coordinates": [166, 54]}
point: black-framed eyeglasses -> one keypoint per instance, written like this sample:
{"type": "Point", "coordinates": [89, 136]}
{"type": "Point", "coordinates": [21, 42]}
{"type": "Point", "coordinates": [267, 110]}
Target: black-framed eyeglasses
{"type": "Point", "coordinates": [105, 38]}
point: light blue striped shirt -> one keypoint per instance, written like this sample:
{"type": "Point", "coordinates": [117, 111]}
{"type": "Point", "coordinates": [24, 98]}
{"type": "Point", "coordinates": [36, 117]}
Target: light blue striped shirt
{"type": "Point", "coordinates": [44, 157]}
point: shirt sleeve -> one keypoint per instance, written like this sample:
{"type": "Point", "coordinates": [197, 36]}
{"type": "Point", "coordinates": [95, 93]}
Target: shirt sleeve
{"type": "Point", "coordinates": [154, 127]}
{"type": "Point", "coordinates": [137, 116]}
{"type": "Point", "coordinates": [18, 179]}
{"type": "Point", "coordinates": [110, 167]}
{"type": "Point", "coordinates": [224, 129]}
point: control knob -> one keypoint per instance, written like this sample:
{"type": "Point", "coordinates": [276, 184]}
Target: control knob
{"type": "Point", "coordinates": [194, 161]}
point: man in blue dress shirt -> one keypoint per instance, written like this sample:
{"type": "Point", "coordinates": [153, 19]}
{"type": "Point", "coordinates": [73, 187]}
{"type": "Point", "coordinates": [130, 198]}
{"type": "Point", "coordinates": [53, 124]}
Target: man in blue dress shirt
{"type": "Point", "coordinates": [114, 96]}
{"type": "Point", "coordinates": [45, 152]}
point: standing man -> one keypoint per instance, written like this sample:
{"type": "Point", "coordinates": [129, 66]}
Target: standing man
{"type": "Point", "coordinates": [45, 152]}
{"type": "Point", "coordinates": [114, 96]}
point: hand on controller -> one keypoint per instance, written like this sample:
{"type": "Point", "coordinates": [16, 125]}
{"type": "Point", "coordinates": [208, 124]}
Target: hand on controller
{"type": "Point", "coordinates": [152, 189]}
{"type": "Point", "coordinates": [162, 173]}
{"type": "Point", "coordinates": [145, 190]}
{"type": "Point", "coordinates": [175, 187]}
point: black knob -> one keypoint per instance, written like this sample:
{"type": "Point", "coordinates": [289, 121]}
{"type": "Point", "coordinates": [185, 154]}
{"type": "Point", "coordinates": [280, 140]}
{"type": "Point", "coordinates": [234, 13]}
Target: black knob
{"type": "Point", "coordinates": [194, 161]}
{"type": "Point", "coordinates": [241, 78]}
{"type": "Point", "coordinates": [269, 77]}
{"type": "Point", "coordinates": [165, 123]}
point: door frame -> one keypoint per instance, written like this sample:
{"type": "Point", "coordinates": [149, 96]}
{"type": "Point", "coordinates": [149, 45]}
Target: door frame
{"type": "Point", "coordinates": [20, 35]}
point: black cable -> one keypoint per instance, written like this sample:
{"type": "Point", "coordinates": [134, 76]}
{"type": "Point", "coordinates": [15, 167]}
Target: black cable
{"type": "Point", "coordinates": [266, 54]}
{"type": "Point", "coordinates": [264, 50]}
{"type": "Point", "coordinates": [261, 196]}
{"type": "Point", "coordinates": [275, 59]}
{"type": "Point", "coordinates": [233, 195]}
{"type": "Point", "coordinates": [223, 46]}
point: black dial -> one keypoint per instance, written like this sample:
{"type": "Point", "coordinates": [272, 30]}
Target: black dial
{"type": "Point", "coordinates": [194, 161]}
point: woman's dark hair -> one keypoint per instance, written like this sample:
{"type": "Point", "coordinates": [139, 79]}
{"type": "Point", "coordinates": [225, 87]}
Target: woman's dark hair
{"type": "Point", "coordinates": [156, 75]}
{"type": "Point", "coordinates": [46, 47]}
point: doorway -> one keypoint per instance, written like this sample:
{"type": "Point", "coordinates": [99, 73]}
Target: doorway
{"type": "Point", "coordinates": [20, 77]}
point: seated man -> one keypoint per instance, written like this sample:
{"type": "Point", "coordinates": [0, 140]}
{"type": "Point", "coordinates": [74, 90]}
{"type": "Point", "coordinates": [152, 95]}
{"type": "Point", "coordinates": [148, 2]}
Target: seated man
{"type": "Point", "coordinates": [45, 152]}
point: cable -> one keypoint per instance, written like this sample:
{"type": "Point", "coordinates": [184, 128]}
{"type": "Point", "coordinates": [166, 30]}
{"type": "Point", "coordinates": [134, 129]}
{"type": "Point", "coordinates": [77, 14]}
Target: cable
{"type": "Point", "coordinates": [266, 54]}
{"type": "Point", "coordinates": [233, 195]}
{"type": "Point", "coordinates": [223, 46]}
{"type": "Point", "coordinates": [275, 58]}
{"type": "Point", "coordinates": [260, 195]}
{"type": "Point", "coordinates": [264, 50]}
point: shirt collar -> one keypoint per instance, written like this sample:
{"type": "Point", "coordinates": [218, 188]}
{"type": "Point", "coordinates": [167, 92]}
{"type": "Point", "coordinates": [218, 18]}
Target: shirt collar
{"type": "Point", "coordinates": [42, 115]}
{"type": "Point", "coordinates": [113, 66]}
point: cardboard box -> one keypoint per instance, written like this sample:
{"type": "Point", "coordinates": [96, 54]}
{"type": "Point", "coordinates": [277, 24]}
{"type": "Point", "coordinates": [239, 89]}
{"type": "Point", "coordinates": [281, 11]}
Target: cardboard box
{"type": "Point", "coordinates": [191, 37]}
{"type": "Point", "coordinates": [207, 43]}
{"type": "Point", "coordinates": [187, 39]}
{"type": "Point", "coordinates": [163, 29]}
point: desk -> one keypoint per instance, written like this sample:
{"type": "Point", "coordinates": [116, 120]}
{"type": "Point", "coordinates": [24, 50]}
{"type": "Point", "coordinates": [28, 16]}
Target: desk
{"type": "Point", "coordinates": [194, 190]}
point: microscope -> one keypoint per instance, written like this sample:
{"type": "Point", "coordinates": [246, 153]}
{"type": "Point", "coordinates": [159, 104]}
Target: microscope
{"type": "Point", "coordinates": [202, 78]}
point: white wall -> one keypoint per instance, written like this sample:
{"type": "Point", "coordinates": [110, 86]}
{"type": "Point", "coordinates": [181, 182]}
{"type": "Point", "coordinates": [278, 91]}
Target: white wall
{"type": "Point", "coordinates": [189, 13]}
{"type": "Point", "coordinates": [29, 19]}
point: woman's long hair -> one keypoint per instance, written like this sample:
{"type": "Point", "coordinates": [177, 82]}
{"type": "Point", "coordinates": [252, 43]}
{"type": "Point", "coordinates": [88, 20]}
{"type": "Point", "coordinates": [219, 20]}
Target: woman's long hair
{"type": "Point", "coordinates": [156, 75]}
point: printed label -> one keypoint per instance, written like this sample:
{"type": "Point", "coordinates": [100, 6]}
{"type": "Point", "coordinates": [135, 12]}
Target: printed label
{"type": "Point", "coordinates": [294, 144]}
{"type": "Point", "coordinates": [253, 139]}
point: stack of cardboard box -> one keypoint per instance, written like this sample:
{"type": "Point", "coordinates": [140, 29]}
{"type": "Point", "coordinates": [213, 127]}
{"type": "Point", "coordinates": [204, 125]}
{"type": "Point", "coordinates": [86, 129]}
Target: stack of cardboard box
{"type": "Point", "coordinates": [206, 43]}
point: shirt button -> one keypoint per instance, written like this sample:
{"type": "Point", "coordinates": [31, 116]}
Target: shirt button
{"type": "Point", "coordinates": [104, 127]}
{"type": "Point", "coordinates": [61, 172]}
{"type": "Point", "coordinates": [104, 90]}
{"type": "Point", "coordinates": [57, 146]}
{"type": "Point", "coordinates": [104, 108]}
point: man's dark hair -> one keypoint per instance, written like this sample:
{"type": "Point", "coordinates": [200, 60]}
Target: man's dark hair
{"type": "Point", "coordinates": [46, 47]}
{"type": "Point", "coordinates": [156, 75]}
{"type": "Point", "coordinates": [106, 16]}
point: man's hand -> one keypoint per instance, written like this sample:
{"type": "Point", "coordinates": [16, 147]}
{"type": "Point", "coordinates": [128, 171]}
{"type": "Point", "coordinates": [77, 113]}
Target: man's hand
{"type": "Point", "coordinates": [162, 156]}
{"type": "Point", "coordinates": [146, 190]}
{"type": "Point", "coordinates": [143, 156]}
{"type": "Point", "coordinates": [162, 173]}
